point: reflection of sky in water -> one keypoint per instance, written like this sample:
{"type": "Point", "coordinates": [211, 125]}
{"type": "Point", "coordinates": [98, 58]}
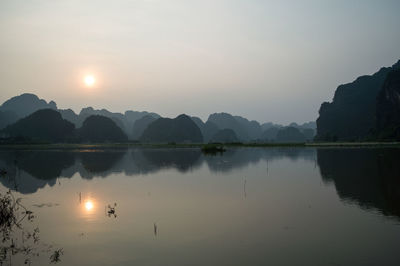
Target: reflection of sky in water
{"type": "Point", "coordinates": [248, 207]}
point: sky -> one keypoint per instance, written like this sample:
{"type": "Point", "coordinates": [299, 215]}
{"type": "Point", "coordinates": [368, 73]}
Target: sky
{"type": "Point", "coordinates": [265, 60]}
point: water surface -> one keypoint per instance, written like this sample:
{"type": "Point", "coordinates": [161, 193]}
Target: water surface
{"type": "Point", "coordinates": [250, 206]}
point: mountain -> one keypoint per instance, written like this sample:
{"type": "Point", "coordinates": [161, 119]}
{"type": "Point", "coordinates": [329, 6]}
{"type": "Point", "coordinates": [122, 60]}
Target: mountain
{"type": "Point", "coordinates": [308, 133]}
{"type": "Point", "coordinates": [140, 125]}
{"type": "Point", "coordinates": [388, 108]}
{"type": "Point", "coordinates": [198, 122]}
{"type": "Point", "coordinates": [269, 125]}
{"type": "Point", "coordinates": [70, 115]}
{"type": "Point", "coordinates": [7, 118]}
{"type": "Point", "coordinates": [247, 130]}
{"type": "Point", "coordinates": [208, 129]}
{"type": "Point", "coordinates": [20, 106]}
{"type": "Point", "coordinates": [132, 116]}
{"type": "Point", "coordinates": [97, 128]}
{"type": "Point", "coordinates": [226, 135]}
{"type": "Point", "coordinates": [25, 104]}
{"type": "Point", "coordinates": [311, 124]}
{"type": "Point", "coordinates": [43, 125]}
{"type": "Point", "coordinates": [180, 129]}
{"type": "Point", "coordinates": [307, 125]}
{"type": "Point", "coordinates": [124, 121]}
{"type": "Point", "coordinates": [290, 134]}
{"type": "Point", "coordinates": [351, 114]}
{"type": "Point", "coordinates": [270, 134]}
{"type": "Point", "coordinates": [253, 128]}
{"type": "Point", "coordinates": [89, 111]}
{"type": "Point", "coordinates": [244, 129]}
{"type": "Point", "coordinates": [225, 120]}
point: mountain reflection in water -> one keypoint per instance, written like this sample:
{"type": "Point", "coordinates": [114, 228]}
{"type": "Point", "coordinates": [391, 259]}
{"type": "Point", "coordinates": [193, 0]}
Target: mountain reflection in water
{"type": "Point", "coordinates": [43, 167]}
{"type": "Point", "coordinates": [367, 177]}
{"type": "Point", "coordinates": [249, 206]}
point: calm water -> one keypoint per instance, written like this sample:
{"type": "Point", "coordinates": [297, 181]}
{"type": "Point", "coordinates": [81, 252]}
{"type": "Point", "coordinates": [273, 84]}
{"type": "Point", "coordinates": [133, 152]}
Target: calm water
{"type": "Point", "coordinates": [261, 206]}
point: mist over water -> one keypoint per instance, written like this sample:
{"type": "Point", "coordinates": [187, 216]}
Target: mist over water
{"type": "Point", "coordinates": [250, 206]}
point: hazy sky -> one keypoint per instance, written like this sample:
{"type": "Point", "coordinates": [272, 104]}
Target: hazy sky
{"type": "Point", "coordinates": [265, 60]}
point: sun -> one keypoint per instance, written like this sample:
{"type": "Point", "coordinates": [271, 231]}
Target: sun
{"type": "Point", "coordinates": [88, 205]}
{"type": "Point", "coordinates": [89, 81]}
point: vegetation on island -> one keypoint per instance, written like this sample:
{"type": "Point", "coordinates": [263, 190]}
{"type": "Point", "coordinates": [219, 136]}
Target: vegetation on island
{"type": "Point", "coordinates": [213, 148]}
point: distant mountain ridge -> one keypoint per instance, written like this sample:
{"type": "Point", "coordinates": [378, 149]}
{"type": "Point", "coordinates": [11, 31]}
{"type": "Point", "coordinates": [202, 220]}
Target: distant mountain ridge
{"type": "Point", "coordinates": [21, 106]}
{"type": "Point", "coordinates": [124, 121]}
{"type": "Point", "coordinates": [134, 123]}
{"type": "Point", "coordinates": [251, 131]}
{"type": "Point", "coordinates": [140, 125]}
{"type": "Point", "coordinates": [181, 129]}
{"type": "Point", "coordinates": [49, 126]}
{"type": "Point", "coordinates": [25, 104]}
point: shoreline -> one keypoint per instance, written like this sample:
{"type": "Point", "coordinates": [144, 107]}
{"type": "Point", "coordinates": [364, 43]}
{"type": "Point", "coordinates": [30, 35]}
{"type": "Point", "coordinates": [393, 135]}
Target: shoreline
{"type": "Point", "coordinates": [93, 146]}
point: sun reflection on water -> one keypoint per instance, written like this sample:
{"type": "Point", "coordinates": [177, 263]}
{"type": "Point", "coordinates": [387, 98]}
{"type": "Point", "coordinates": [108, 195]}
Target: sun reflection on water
{"type": "Point", "coordinates": [89, 206]}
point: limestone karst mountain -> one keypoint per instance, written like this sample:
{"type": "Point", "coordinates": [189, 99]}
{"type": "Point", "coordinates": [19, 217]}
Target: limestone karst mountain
{"type": "Point", "coordinates": [181, 129]}
{"type": "Point", "coordinates": [351, 116]}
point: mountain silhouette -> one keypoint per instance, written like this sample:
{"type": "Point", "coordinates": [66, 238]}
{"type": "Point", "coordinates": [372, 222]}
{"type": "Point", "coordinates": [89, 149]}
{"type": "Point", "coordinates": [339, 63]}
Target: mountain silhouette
{"type": "Point", "coordinates": [388, 108]}
{"type": "Point", "coordinates": [269, 135]}
{"type": "Point", "coordinates": [208, 129]}
{"type": "Point", "coordinates": [7, 117]}
{"type": "Point", "coordinates": [124, 121]}
{"type": "Point", "coordinates": [26, 104]}
{"type": "Point", "coordinates": [21, 106]}
{"type": "Point", "coordinates": [245, 130]}
{"type": "Point", "coordinates": [252, 128]}
{"type": "Point", "coordinates": [43, 125]}
{"type": "Point", "coordinates": [180, 130]}
{"type": "Point", "coordinates": [140, 125]}
{"type": "Point", "coordinates": [97, 128]}
{"type": "Point", "coordinates": [308, 133]}
{"type": "Point", "coordinates": [351, 114]}
{"type": "Point", "coordinates": [225, 120]}
{"type": "Point", "coordinates": [290, 134]}
{"type": "Point", "coordinates": [226, 135]}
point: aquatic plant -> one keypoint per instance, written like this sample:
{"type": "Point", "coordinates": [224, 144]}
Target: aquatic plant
{"type": "Point", "coordinates": [111, 210]}
{"type": "Point", "coordinates": [213, 149]}
{"type": "Point", "coordinates": [19, 239]}
{"type": "Point", "coordinates": [55, 257]}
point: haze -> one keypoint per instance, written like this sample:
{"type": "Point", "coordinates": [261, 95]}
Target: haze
{"type": "Point", "coordinates": [264, 60]}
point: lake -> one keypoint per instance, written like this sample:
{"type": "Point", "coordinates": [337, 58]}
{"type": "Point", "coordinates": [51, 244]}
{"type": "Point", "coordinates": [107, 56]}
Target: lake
{"type": "Point", "coordinates": [249, 206]}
